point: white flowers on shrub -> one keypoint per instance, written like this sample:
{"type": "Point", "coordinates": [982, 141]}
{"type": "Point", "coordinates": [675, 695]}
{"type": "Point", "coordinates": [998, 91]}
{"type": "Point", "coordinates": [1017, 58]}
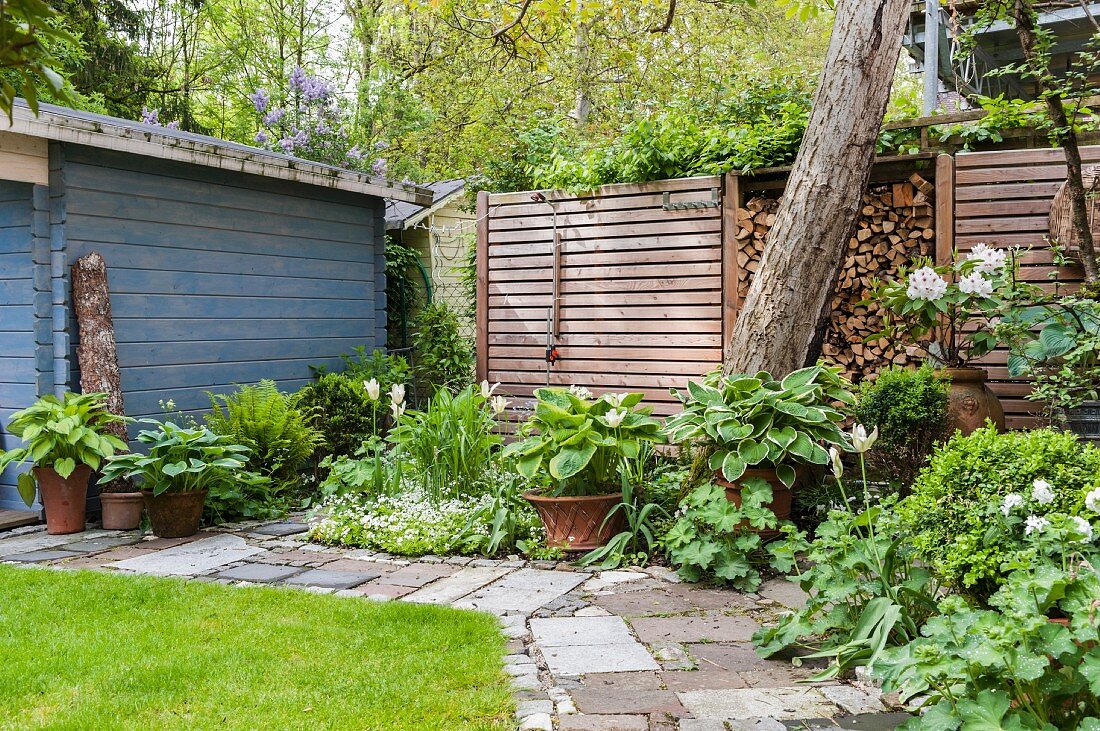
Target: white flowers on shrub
{"type": "Point", "coordinates": [1012, 500]}
{"type": "Point", "coordinates": [975, 284]}
{"type": "Point", "coordinates": [1035, 523]}
{"type": "Point", "coordinates": [1092, 500]}
{"type": "Point", "coordinates": [1084, 526]}
{"type": "Point", "coordinates": [373, 389]}
{"type": "Point", "coordinates": [925, 284]}
{"type": "Point", "coordinates": [1041, 492]}
{"type": "Point", "coordinates": [990, 260]}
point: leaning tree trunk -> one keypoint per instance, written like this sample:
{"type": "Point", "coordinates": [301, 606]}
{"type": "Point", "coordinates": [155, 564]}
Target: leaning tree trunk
{"type": "Point", "coordinates": [1064, 135]}
{"type": "Point", "coordinates": [97, 352]}
{"type": "Point", "coordinates": [820, 206]}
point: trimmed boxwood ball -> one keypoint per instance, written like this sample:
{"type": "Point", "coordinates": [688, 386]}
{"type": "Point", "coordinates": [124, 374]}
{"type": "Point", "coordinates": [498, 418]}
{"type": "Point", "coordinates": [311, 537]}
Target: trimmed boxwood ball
{"type": "Point", "coordinates": [340, 410]}
{"type": "Point", "coordinates": [955, 511]}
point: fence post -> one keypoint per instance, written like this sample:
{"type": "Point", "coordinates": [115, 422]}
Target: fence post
{"type": "Point", "coordinates": [731, 268]}
{"type": "Point", "coordinates": [481, 315]}
{"type": "Point", "coordinates": [945, 209]}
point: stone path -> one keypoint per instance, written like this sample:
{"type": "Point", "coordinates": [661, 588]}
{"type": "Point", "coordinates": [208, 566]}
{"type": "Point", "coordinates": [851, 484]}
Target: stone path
{"type": "Point", "coordinates": [632, 650]}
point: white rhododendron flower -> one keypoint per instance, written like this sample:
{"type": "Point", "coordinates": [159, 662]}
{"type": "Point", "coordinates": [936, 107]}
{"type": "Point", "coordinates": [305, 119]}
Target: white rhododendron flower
{"type": "Point", "coordinates": [615, 417]}
{"type": "Point", "coordinates": [1083, 526]}
{"type": "Point", "coordinates": [373, 389]}
{"type": "Point", "coordinates": [499, 404]}
{"type": "Point", "coordinates": [1035, 523]}
{"type": "Point", "coordinates": [990, 260]}
{"type": "Point", "coordinates": [861, 440]}
{"type": "Point", "coordinates": [975, 284]}
{"type": "Point", "coordinates": [1092, 500]}
{"type": "Point", "coordinates": [487, 390]}
{"type": "Point", "coordinates": [925, 284]}
{"type": "Point", "coordinates": [1012, 500]}
{"type": "Point", "coordinates": [397, 393]}
{"type": "Point", "coordinates": [1041, 492]}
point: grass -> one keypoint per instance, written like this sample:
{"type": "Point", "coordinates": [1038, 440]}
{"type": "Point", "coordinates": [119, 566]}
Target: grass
{"type": "Point", "coordinates": [87, 650]}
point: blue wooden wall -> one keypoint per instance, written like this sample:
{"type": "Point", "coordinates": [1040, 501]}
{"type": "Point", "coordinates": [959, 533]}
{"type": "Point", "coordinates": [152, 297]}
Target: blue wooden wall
{"type": "Point", "coordinates": [17, 345]}
{"type": "Point", "coordinates": [219, 278]}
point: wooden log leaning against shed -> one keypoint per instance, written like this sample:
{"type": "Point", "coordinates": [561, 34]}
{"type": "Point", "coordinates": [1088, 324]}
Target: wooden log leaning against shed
{"type": "Point", "coordinates": [896, 225]}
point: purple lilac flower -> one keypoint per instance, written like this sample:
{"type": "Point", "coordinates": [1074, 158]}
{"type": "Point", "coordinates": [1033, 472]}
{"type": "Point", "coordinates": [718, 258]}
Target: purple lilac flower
{"type": "Point", "coordinates": [315, 89]}
{"type": "Point", "coordinates": [262, 138]}
{"type": "Point", "coordinates": [381, 145]}
{"type": "Point", "coordinates": [287, 143]}
{"type": "Point", "coordinates": [174, 124]}
{"type": "Point", "coordinates": [355, 153]}
{"type": "Point", "coordinates": [260, 100]}
{"type": "Point", "coordinates": [273, 116]}
{"type": "Point", "coordinates": [322, 128]}
{"type": "Point", "coordinates": [150, 116]}
{"type": "Point", "coordinates": [301, 137]}
{"type": "Point", "coordinates": [378, 167]}
{"type": "Point", "coordinates": [297, 78]}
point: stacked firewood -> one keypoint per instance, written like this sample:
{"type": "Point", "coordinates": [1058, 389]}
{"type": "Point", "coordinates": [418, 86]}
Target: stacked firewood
{"type": "Point", "coordinates": [895, 227]}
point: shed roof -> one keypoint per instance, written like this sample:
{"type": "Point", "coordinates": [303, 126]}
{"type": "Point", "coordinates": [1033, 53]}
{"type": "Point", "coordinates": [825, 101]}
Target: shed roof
{"type": "Point", "coordinates": [401, 215]}
{"type": "Point", "coordinates": [123, 135]}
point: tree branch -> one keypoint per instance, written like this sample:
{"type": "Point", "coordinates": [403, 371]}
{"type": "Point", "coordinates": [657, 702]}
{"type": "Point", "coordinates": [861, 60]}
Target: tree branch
{"type": "Point", "coordinates": [664, 27]}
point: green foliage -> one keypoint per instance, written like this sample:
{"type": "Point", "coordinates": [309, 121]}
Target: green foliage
{"type": "Point", "coordinates": [718, 540]}
{"type": "Point", "coordinates": [909, 409]}
{"type": "Point", "coordinates": [179, 459]}
{"type": "Point", "coordinates": [442, 358]}
{"type": "Point", "coordinates": [28, 29]}
{"type": "Point", "coordinates": [1011, 666]}
{"type": "Point", "coordinates": [388, 370]}
{"type": "Point", "coordinates": [405, 291]}
{"type": "Point", "coordinates": [451, 443]}
{"type": "Point", "coordinates": [279, 437]}
{"type": "Point", "coordinates": [745, 421]}
{"type": "Point", "coordinates": [634, 544]}
{"type": "Point", "coordinates": [955, 511]}
{"type": "Point", "coordinates": [339, 409]}
{"type": "Point", "coordinates": [579, 444]}
{"type": "Point", "coordinates": [62, 433]}
{"type": "Point", "coordinates": [1001, 114]}
{"type": "Point", "coordinates": [247, 497]}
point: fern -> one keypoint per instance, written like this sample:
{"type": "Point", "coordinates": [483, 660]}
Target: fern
{"type": "Point", "coordinates": [280, 437]}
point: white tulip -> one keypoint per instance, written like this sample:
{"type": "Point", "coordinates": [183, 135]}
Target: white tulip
{"type": "Point", "coordinates": [861, 440]}
{"type": "Point", "coordinates": [397, 409]}
{"type": "Point", "coordinates": [499, 404]}
{"type": "Point", "coordinates": [838, 466]}
{"type": "Point", "coordinates": [397, 393]}
{"type": "Point", "coordinates": [615, 399]}
{"type": "Point", "coordinates": [373, 389]}
{"type": "Point", "coordinates": [487, 390]}
{"type": "Point", "coordinates": [615, 417]}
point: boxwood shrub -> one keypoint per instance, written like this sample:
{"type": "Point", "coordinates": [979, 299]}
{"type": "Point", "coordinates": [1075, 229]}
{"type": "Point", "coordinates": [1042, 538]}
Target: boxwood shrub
{"type": "Point", "coordinates": [955, 510]}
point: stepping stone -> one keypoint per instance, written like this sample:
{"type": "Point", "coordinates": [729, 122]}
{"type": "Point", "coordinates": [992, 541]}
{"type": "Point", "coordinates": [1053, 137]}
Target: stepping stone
{"type": "Point", "coordinates": [523, 591]}
{"type": "Point", "coordinates": [580, 645]}
{"type": "Point", "coordinates": [702, 680]}
{"type": "Point", "coordinates": [195, 557]}
{"type": "Point", "coordinates": [735, 656]}
{"type": "Point", "coordinates": [853, 700]}
{"type": "Point", "coordinates": [282, 529]}
{"type": "Point", "coordinates": [43, 540]}
{"type": "Point", "coordinates": [260, 573]}
{"type": "Point", "coordinates": [779, 703]}
{"type": "Point", "coordinates": [604, 723]}
{"type": "Point", "coordinates": [643, 603]}
{"type": "Point", "coordinates": [628, 702]}
{"type": "Point", "coordinates": [104, 543]}
{"type": "Point", "coordinates": [694, 629]}
{"type": "Point", "coordinates": [452, 588]}
{"type": "Point", "coordinates": [784, 592]}
{"type": "Point", "coordinates": [41, 556]}
{"type": "Point", "coordinates": [416, 575]}
{"type": "Point", "coordinates": [325, 579]}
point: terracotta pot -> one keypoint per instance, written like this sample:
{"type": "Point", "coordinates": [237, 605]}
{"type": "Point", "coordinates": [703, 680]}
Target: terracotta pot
{"type": "Point", "coordinates": [575, 523]}
{"type": "Point", "coordinates": [121, 510]}
{"type": "Point", "coordinates": [63, 499]}
{"type": "Point", "coordinates": [175, 514]}
{"type": "Point", "coordinates": [970, 402]}
{"type": "Point", "coordinates": [782, 496]}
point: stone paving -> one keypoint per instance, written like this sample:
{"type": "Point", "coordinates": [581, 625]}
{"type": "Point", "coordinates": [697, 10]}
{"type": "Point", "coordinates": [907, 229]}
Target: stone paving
{"type": "Point", "coordinates": [629, 650]}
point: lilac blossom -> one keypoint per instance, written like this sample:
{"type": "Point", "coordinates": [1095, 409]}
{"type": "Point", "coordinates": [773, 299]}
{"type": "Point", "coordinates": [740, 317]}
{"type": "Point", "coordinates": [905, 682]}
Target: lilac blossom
{"type": "Point", "coordinates": [287, 143]}
{"type": "Point", "coordinates": [273, 116]}
{"type": "Point", "coordinates": [260, 100]}
{"type": "Point", "coordinates": [297, 78]}
{"type": "Point", "coordinates": [379, 166]}
{"type": "Point", "coordinates": [262, 138]}
{"type": "Point", "coordinates": [150, 116]}
{"type": "Point", "coordinates": [174, 124]}
{"type": "Point", "coordinates": [355, 153]}
{"type": "Point", "coordinates": [315, 89]}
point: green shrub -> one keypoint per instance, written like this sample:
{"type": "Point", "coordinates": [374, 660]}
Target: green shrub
{"type": "Point", "coordinates": [442, 358]}
{"type": "Point", "coordinates": [955, 509]}
{"type": "Point", "coordinates": [279, 437]}
{"type": "Point", "coordinates": [385, 368]}
{"type": "Point", "coordinates": [909, 408]}
{"type": "Point", "coordinates": [340, 410]}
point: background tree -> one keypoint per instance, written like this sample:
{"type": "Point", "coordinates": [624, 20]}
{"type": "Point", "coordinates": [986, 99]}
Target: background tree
{"type": "Point", "coordinates": [30, 31]}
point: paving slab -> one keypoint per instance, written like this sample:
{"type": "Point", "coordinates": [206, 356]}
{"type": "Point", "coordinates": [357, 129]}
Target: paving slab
{"type": "Point", "coordinates": [872, 721]}
{"type": "Point", "coordinates": [581, 659]}
{"type": "Point", "coordinates": [643, 603]}
{"type": "Point", "coordinates": [853, 700]}
{"type": "Point", "coordinates": [680, 680]}
{"type": "Point", "coordinates": [417, 575]}
{"type": "Point", "coordinates": [41, 540]}
{"type": "Point", "coordinates": [372, 590]}
{"type": "Point", "coordinates": [778, 703]}
{"type": "Point", "coordinates": [324, 579]}
{"type": "Point", "coordinates": [628, 702]}
{"type": "Point", "coordinates": [42, 556]}
{"type": "Point", "coordinates": [103, 543]}
{"type": "Point", "coordinates": [618, 722]}
{"type": "Point", "coordinates": [17, 518]}
{"type": "Point", "coordinates": [735, 656]}
{"type": "Point", "coordinates": [452, 588]}
{"type": "Point", "coordinates": [640, 682]}
{"type": "Point", "coordinates": [765, 724]}
{"type": "Point", "coordinates": [694, 629]}
{"type": "Point", "coordinates": [562, 631]}
{"type": "Point", "coordinates": [523, 590]}
{"type": "Point", "coordinates": [260, 573]}
{"type": "Point", "coordinates": [191, 558]}
{"type": "Point", "coordinates": [124, 552]}
{"type": "Point", "coordinates": [784, 592]}
{"type": "Point", "coordinates": [282, 529]}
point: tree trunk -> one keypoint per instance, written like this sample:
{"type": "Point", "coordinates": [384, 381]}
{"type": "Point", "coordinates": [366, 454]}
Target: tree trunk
{"type": "Point", "coordinates": [820, 206]}
{"type": "Point", "coordinates": [1063, 136]}
{"type": "Point", "coordinates": [97, 353]}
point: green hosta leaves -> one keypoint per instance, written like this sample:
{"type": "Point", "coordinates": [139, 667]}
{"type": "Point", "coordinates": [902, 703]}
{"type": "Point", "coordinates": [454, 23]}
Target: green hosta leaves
{"type": "Point", "coordinates": [571, 460]}
{"type": "Point", "coordinates": [65, 466]}
{"type": "Point", "coordinates": [27, 488]}
{"type": "Point", "coordinates": [786, 474]}
{"type": "Point", "coordinates": [752, 452]}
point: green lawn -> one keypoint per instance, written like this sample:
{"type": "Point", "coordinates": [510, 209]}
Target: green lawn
{"type": "Point", "coordinates": [84, 650]}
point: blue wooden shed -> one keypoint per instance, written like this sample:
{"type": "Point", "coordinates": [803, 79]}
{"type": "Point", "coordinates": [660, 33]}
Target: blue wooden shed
{"type": "Point", "coordinates": [226, 263]}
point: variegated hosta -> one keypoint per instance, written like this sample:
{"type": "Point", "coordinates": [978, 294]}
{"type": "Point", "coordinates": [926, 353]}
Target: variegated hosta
{"type": "Point", "coordinates": [761, 421]}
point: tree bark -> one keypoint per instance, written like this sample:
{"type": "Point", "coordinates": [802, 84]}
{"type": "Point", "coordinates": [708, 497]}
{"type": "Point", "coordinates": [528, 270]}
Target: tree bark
{"type": "Point", "coordinates": [97, 352]}
{"type": "Point", "coordinates": [1064, 136]}
{"type": "Point", "coordinates": [821, 204]}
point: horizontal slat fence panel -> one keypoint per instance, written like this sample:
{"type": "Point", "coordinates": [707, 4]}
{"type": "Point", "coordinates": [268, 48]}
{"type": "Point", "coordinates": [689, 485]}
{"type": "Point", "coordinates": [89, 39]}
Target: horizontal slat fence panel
{"type": "Point", "coordinates": [640, 303]}
{"type": "Point", "coordinates": [1003, 199]}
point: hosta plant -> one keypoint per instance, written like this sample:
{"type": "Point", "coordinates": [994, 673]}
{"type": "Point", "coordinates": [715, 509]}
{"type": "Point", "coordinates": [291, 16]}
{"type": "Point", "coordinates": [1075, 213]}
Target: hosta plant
{"type": "Point", "coordinates": [577, 444]}
{"type": "Point", "coordinates": [760, 421]}
{"type": "Point", "coordinates": [61, 433]}
{"type": "Point", "coordinates": [179, 459]}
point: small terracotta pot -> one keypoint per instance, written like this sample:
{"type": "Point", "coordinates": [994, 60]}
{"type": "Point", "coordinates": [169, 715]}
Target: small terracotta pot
{"type": "Point", "coordinates": [574, 523]}
{"type": "Point", "coordinates": [121, 510]}
{"type": "Point", "coordinates": [782, 496]}
{"type": "Point", "coordinates": [970, 402]}
{"type": "Point", "coordinates": [175, 514]}
{"type": "Point", "coordinates": [63, 498]}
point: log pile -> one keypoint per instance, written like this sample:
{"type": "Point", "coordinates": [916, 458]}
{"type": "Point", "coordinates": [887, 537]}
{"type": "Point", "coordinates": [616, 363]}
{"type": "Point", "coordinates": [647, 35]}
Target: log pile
{"type": "Point", "coordinates": [895, 226]}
